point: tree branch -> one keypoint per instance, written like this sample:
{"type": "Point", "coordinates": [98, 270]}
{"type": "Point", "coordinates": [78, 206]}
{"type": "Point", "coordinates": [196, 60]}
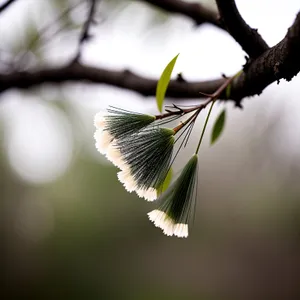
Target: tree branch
{"type": "Point", "coordinates": [248, 38]}
{"type": "Point", "coordinates": [85, 35]}
{"type": "Point", "coordinates": [197, 12]}
{"type": "Point", "coordinates": [6, 5]}
{"type": "Point", "coordinates": [122, 79]}
{"type": "Point", "coordinates": [280, 61]}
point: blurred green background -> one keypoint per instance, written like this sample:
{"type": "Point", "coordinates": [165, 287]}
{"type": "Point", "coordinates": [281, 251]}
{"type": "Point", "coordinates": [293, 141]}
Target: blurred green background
{"type": "Point", "coordinates": [69, 230]}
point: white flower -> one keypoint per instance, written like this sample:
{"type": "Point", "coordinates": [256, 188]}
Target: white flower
{"type": "Point", "coordinates": [103, 140]}
{"type": "Point", "coordinates": [99, 120]}
{"type": "Point", "coordinates": [148, 156]}
{"type": "Point", "coordinates": [131, 185]}
{"type": "Point", "coordinates": [114, 155]}
{"type": "Point", "coordinates": [162, 220]}
{"type": "Point", "coordinates": [121, 123]}
{"type": "Point", "coordinates": [128, 181]}
{"type": "Point", "coordinates": [174, 212]}
{"type": "Point", "coordinates": [149, 194]}
{"type": "Point", "coordinates": [181, 230]}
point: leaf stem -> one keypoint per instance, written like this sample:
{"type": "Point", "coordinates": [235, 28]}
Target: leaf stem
{"type": "Point", "coordinates": [190, 119]}
{"type": "Point", "coordinates": [214, 98]}
{"type": "Point", "coordinates": [204, 127]}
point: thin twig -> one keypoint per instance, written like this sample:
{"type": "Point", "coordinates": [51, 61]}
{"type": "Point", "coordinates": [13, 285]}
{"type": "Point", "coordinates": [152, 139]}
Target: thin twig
{"type": "Point", "coordinates": [85, 35]}
{"type": "Point", "coordinates": [199, 13]}
{"type": "Point", "coordinates": [43, 31]}
{"type": "Point", "coordinates": [6, 5]}
{"type": "Point", "coordinates": [198, 108]}
{"type": "Point", "coordinates": [280, 61]}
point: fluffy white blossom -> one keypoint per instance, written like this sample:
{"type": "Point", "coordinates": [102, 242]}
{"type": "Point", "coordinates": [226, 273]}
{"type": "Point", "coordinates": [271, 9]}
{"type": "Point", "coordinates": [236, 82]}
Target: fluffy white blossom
{"type": "Point", "coordinates": [177, 203]}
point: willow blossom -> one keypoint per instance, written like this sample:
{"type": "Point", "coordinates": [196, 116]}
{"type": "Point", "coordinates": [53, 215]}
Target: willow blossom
{"type": "Point", "coordinates": [143, 149]}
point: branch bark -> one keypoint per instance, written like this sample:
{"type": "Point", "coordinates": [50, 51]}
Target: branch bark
{"type": "Point", "coordinates": [85, 35]}
{"type": "Point", "coordinates": [197, 12]}
{"type": "Point", "coordinates": [280, 61]}
{"type": "Point", "coordinates": [248, 38]}
{"type": "Point", "coordinates": [123, 79]}
{"type": "Point", "coordinates": [6, 4]}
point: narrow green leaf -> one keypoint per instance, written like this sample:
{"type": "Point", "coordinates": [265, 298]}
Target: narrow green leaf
{"type": "Point", "coordinates": [218, 127]}
{"type": "Point", "coordinates": [167, 182]}
{"type": "Point", "coordinates": [228, 91]}
{"type": "Point", "coordinates": [163, 83]}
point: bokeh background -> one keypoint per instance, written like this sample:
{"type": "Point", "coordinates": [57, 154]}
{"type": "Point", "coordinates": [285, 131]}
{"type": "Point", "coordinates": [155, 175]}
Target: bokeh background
{"type": "Point", "coordinates": [69, 230]}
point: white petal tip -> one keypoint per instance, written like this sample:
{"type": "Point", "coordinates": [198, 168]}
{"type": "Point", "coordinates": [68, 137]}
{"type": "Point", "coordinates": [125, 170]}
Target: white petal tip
{"type": "Point", "coordinates": [99, 120]}
{"type": "Point", "coordinates": [163, 221]}
{"type": "Point", "coordinates": [114, 155]}
{"type": "Point", "coordinates": [127, 180]}
{"type": "Point", "coordinates": [149, 194]}
{"type": "Point", "coordinates": [103, 140]}
{"type": "Point", "coordinates": [181, 230]}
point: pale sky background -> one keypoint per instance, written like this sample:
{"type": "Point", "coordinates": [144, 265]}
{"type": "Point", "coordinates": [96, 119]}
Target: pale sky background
{"type": "Point", "coordinates": [39, 138]}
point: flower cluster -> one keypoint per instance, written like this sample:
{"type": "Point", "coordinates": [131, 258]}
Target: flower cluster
{"type": "Point", "coordinates": [143, 151]}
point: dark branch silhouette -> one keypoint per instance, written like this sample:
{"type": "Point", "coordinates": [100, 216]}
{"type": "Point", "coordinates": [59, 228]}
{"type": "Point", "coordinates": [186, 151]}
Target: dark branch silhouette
{"type": "Point", "coordinates": [194, 10]}
{"type": "Point", "coordinates": [85, 35]}
{"type": "Point", "coordinates": [126, 79]}
{"type": "Point", "coordinates": [6, 4]}
{"type": "Point", "coordinates": [248, 38]}
{"type": "Point", "coordinates": [279, 62]}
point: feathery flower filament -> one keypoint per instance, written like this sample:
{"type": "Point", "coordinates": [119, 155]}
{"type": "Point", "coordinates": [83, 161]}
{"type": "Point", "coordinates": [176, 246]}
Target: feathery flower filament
{"type": "Point", "coordinates": [103, 140]}
{"type": "Point", "coordinates": [147, 157]}
{"type": "Point", "coordinates": [118, 124]}
{"type": "Point", "coordinates": [143, 151]}
{"type": "Point", "coordinates": [122, 123]}
{"type": "Point", "coordinates": [173, 215]}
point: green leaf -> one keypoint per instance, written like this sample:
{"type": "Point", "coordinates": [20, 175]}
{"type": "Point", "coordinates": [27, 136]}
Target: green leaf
{"type": "Point", "coordinates": [167, 182]}
{"type": "Point", "coordinates": [163, 83]}
{"type": "Point", "coordinates": [218, 127]}
{"type": "Point", "coordinates": [228, 91]}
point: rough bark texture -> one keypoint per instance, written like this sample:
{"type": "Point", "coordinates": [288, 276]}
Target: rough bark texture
{"type": "Point", "coordinates": [248, 38]}
{"type": "Point", "coordinates": [279, 62]}
{"type": "Point", "coordinates": [197, 12]}
{"type": "Point", "coordinates": [6, 4]}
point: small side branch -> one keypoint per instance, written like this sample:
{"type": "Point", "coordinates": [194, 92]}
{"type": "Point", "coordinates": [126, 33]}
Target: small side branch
{"type": "Point", "coordinates": [85, 35]}
{"type": "Point", "coordinates": [6, 4]}
{"type": "Point", "coordinates": [280, 61]}
{"type": "Point", "coordinates": [248, 38]}
{"type": "Point", "coordinates": [197, 12]}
